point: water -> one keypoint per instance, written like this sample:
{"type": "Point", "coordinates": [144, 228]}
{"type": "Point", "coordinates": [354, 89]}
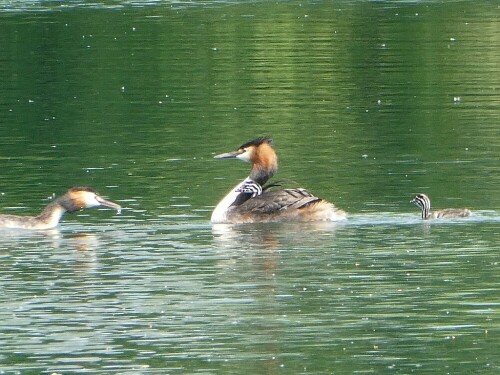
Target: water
{"type": "Point", "coordinates": [369, 103]}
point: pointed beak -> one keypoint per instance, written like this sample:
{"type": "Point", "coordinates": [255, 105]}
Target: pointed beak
{"type": "Point", "coordinates": [103, 202]}
{"type": "Point", "coordinates": [413, 200]}
{"type": "Point", "coordinates": [228, 155]}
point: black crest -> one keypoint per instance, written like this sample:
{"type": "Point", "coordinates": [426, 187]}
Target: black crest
{"type": "Point", "coordinates": [257, 142]}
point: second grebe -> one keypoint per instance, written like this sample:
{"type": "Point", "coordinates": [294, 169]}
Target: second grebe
{"type": "Point", "coordinates": [251, 201]}
{"type": "Point", "coordinates": [423, 201]}
{"type": "Point", "coordinates": [75, 199]}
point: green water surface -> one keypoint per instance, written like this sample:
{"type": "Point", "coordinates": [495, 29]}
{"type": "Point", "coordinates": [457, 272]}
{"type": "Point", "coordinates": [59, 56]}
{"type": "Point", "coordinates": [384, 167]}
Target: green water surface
{"type": "Point", "coordinates": [368, 103]}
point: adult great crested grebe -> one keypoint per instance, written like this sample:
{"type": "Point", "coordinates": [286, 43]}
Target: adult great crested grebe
{"type": "Point", "coordinates": [251, 201]}
{"type": "Point", "coordinates": [423, 201]}
{"type": "Point", "coordinates": [75, 199]}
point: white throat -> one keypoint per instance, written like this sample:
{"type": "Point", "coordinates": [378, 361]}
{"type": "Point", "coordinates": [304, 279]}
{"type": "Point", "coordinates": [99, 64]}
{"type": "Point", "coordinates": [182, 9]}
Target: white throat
{"type": "Point", "coordinates": [219, 215]}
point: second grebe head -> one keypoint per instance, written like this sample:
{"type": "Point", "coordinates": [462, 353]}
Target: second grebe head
{"type": "Point", "coordinates": [261, 154]}
{"type": "Point", "coordinates": [78, 198]}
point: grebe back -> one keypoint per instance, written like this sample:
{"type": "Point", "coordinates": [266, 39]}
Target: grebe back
{"type": "Point", "coordinates": [252, 201]}
{"type": "Point", "coordinates": [75, 199]}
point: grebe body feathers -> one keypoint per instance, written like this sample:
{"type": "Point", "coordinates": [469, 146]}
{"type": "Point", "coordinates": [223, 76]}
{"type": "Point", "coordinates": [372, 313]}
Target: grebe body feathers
{"type": "Point", "coordinates": [251, 201]}
{"type": "Point", "coordinates": [75, 199]}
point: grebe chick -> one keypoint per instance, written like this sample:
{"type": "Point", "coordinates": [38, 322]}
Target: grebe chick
{"type": "Point", "coordinates": [252, 201]}
{"type": "Point", "coordinates": [75, 199]}
{"type": "Point", "coordinates": [423, 201]}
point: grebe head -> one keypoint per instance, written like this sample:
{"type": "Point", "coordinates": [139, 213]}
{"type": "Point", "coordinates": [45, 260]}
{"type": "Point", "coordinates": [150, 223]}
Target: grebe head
{"type": "Point", "coordinates": [261, 154]}
{"type": "Point", "coordinates": [78, 198]}
{"type": "Point", "coordinates": [421, 200]}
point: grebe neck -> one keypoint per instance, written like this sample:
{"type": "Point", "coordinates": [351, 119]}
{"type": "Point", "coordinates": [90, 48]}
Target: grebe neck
{"type": "Point", "coordinates": [51, 215]}
{"type": "Point", "coordinates": [260, 175]}
{"type": "Point", "coordinates": [264, 163]}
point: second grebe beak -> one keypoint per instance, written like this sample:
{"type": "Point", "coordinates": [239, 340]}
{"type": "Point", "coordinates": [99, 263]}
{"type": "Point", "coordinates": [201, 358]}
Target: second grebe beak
{"type": "Point", "coordinates": [105, 203]}
{"type": "Point", "coordinates": [229, 155]}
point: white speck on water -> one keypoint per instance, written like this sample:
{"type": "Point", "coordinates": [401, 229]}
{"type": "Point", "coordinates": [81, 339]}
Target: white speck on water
{"type": "Point", "coordinates": [456, 99]}
{"type": "Point", "coordinates": [88, 169]}
{"type": "Point", "coordinates": [123, 88]}
{"type": "Point", "coordinates": [364, 156]}
{"type": "Point", "coordinates": [133, 28]}
{"type": "Point", "coordinates": [379, 102]}
{"type": "Point", "coordinates": [452, 39]}
{"type": "Point", "coordinates": [30, 101]}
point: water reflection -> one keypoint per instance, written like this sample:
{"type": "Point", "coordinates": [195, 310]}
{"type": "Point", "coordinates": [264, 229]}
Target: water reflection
{"type": "Point", "coordinates": [227, 236]}
{"type": "Point", "coordinates": [13, 237]}
{"type": "Point", "coordinates": [271, 237]}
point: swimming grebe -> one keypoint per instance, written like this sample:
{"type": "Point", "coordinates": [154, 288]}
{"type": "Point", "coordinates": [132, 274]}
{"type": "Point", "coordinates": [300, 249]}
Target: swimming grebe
{"type": "Point", "coordinates": [75, 199]}
{"type": "Point", "coordinates": [423, 201]}
{"type": "Point", "coordinates": [251, 201]}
